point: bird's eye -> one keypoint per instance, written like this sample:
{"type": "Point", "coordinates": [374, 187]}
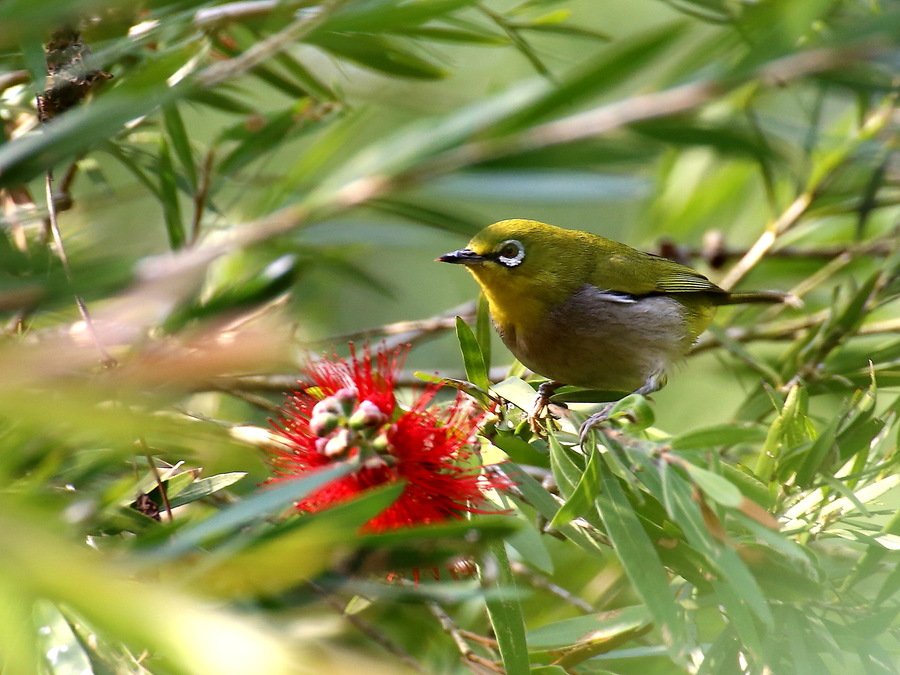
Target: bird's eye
{"type": "Point", "coordinates": [511, 253]}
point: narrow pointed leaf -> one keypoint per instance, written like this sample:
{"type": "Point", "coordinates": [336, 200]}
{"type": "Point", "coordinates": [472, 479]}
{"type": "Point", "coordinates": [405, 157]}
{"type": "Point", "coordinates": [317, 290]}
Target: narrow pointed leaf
{"type": "Point", "coordinates": [505, 609]}
{"type": "Point", "coordinates": [641, 562]}
{"type": "Point", "coordinates": [473, 359]}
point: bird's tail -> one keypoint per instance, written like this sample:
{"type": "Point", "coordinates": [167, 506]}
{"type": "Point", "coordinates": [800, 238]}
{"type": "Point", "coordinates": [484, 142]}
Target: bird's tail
{"type": "Point", "coordinates": [771, 297]}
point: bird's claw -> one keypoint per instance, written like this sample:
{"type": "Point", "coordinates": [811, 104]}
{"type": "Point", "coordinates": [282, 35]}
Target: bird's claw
{"type": "Point", "coordinates": [541, 404]}
{"type": "Point", "coordinates": [594, 420]}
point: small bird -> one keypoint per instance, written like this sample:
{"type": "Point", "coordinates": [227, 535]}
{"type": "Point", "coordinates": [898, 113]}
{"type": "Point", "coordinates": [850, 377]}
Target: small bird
{"type": "Point", "coordinates": [587, 311]}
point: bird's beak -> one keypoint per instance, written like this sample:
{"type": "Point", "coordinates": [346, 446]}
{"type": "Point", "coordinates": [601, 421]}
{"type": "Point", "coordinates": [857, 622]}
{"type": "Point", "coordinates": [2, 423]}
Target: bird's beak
{"type": "Point", "coordinates": [464, 256]}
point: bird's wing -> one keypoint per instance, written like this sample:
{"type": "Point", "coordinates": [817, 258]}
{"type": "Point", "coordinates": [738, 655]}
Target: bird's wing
{"type": "Point", "coordinates": [681, 279]}
{"type": "Point", "coordinates": [638, 273]}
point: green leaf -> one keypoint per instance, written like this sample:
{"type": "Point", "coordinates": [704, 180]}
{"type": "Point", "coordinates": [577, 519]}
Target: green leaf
{"type": "Point", "coordinates": [749, 484]}
{"type": "Point", "coordinates": [35, 61]}
{"type": "Point", "coordinates": [578, 395]}
{"type": "Point", "coordinates": [372, 16]}
{"type": "Point", "coordinates": [484, 329]}
{"type": "Point", "coordinates": [591, 627]}
{"type": "Point", "coordinates": [268, 502]}
{"type": "Point", "coordinates": [246, 39]}
{"type": "Point", "coordinates": [722, 656]}
{"type": "Point", "coordinates": [378, 53]}
{"type": "Point", "coordinates": [517, 391]}
{"type": "Point", "coordinates": [789, 430]}
{"type": "Point", "coordinates": [517, 41]}
{"type": "Point", "coordinates": [641, 563]}
{"type": "Point", "coordinates": [719, 435]}
{"type": "Point", "coordinates": [427, 214]}
{"type": "Point", "coordinates": [219, 100]}
{"type": "Point", "coordinates": [537, 496]}
{"type": "Point", "coordinates": [453, 35]}
{"type": "Point", "coordinates": [168, 192]}
{"type": "Point", "coordinates": [504, 609]}
{"type": "Point", "coordinates": [406, 148]}
{"type": "Point", "coordinates": [85, 127]}
{"type": "Point", "coordinates": [253, 564]}
{"type": "Point", "coordinates": [307, 80]}
{"type": "Point", "coordinates": [816, 457]}
{"type": "Point", "coordinates": [565, 29]}
{"type": "Point", "coordinates": [582, 498]}
{"type": "Point", "coordinates": [728, 139]}
{"type": "Point", "coordinates": [205, 487]}
{"type": "Point", "coordinates": [737, 587]}
{"type": "Point", "coordinates": [259, 136]}
{"type": "Point", "coordinates": [461, 385]}
{"type": "Point", "coordinates": [518, 449]}
{"type": "Point", "coordinates": [592, 154]}
{"type": "Point", "coordinates": [180, 142]}
{"type": "Point", "coordinates": [129, 161]}
{"type": "Point", "coordinates": [200, 638]}
{"type": "Point", "coordinates": [741, 352]}
{"type": "Point", "coordinates": [541, 500]}
{"type": "Point", "coordinates": [473, 359]}
{"type": "Point", "coordinates": [565, 470]}
{"type": "Point", "coordinates": [716, 487]}
{"type": "Point", "coordinates": [530, 545]}
{"type": "Point", "coordinates": [616, 65]}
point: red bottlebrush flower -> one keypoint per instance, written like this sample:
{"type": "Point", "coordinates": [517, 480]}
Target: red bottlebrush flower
{"type": "Point", "coordinates": [350, 411]}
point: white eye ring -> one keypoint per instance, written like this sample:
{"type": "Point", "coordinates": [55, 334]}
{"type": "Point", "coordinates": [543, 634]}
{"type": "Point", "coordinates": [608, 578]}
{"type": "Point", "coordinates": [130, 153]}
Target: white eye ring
{"type": "Point", "coordinates": [508, 247]}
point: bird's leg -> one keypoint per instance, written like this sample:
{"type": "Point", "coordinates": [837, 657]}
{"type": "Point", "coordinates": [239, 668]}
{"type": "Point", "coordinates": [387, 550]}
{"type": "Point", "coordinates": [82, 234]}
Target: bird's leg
{"type": "Point", "coordinates": [653, 383]}
{"type": "Point", "coordinates": [594, 420]}
{"type": "Point", "coordinates": [544, 392]}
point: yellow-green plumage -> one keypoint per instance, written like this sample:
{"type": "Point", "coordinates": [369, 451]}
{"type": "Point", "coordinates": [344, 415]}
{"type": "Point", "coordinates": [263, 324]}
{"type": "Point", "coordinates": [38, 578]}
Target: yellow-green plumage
{"type": "Point", "coordinates": [588, 311]}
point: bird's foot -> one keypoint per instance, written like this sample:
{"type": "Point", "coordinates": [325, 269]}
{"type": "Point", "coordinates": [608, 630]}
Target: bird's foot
{"type": "Point", "coordinates": [541, 405]}
{"type": "Point", "coordinates": [594, 420]}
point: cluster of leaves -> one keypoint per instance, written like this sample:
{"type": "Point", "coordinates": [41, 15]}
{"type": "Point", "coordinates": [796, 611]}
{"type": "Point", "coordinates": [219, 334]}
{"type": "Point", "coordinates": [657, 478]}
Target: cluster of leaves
{"type": "Point", "coordinates": [767, 543]}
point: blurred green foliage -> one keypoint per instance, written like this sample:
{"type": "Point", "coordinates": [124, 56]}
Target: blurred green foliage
{"type": "Point", "coordinates": [260, 180]}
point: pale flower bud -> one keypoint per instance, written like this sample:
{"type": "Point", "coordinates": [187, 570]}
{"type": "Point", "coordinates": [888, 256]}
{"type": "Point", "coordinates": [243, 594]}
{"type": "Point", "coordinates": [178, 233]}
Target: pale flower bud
{"type": "Point", "coordinates": [327, 406]}
{"type": "Point", "coordinates": [338, 444]}
{"type": "Point", "coordinates": [367, 416]}
{"type": "Point", "coordinates": [346, 398]}
{"type": "Point", "coordinates": [380, 443]}
{"type": "Point", "coordinates": [323, 423]}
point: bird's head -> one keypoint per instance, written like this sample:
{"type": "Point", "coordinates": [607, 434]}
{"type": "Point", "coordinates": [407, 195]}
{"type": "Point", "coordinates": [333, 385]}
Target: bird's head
{"type": "Point", "coordinates": [524, 261]}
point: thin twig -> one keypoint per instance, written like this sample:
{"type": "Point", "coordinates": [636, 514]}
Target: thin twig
{"type": "Point", "coordinates": [798, 208]}
{"type": "Point", "coordinates": [877, 249]}
{"type": "Point", "coordinates": [222, 71]}
{"type": "Point", "coordinates": [200, 196]}
{"type": "Point", "coordinates": [484, 640]}
{"type": "Point", "coordinates": [610, 117]}
{"type": "Point", "coordinates": [473, 661]}
{"type": "Point", "coordinates": [404, 331]}
{"type": "Point", "coordinates": [539, 581]}
{"type": "Point", "coordinates": [64, 194]}
{"type": "Point", "coordinates": [105, 357]}
{"type": "Point", "coordinates": [13, 78]}
{"type": "Point", "coordinates": [244, 9]}
{"type": "Point", "coordinates": [368, 629]}
{"type": "Point", "coordinates": [597, 121]}
{"type": "Point", "coordinates": [54, 225]}
{"type": "Point", "coordinates": [248, 397]}
{"type": "Point", "coordinates": [159, 482]}
{"type": "Point", "coordinates": [788, 330]}
{"type": "Point", "coordinates": [788, 218]}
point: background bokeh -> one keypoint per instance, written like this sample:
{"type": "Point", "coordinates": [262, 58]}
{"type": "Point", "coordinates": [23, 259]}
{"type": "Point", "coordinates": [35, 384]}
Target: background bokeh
{"type": "Point", "coordinates": [259, 183]}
